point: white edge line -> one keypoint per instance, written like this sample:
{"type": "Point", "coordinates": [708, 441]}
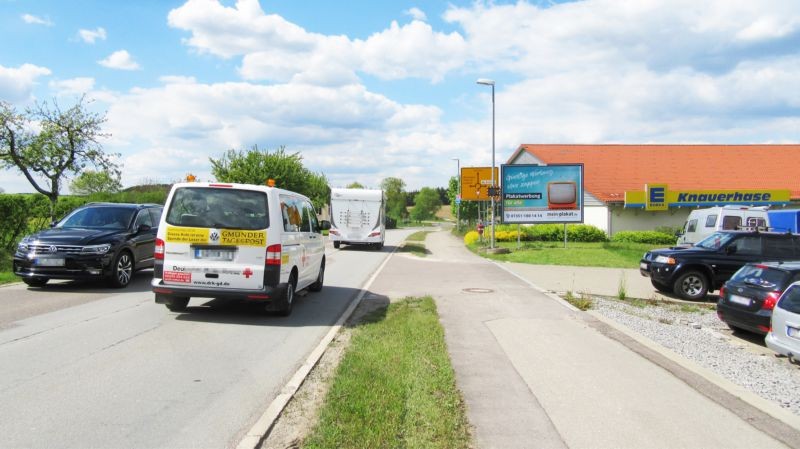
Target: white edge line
{"type": "Point", "coordinates": [260, 429]}
{"type": "Point", "coordinates": [552, 296]}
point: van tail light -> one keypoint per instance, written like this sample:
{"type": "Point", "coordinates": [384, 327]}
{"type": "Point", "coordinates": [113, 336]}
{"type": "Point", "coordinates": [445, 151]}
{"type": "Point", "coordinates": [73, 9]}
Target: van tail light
{"type": "Point", "coordinates": [722, 292]}
{"type": "Point", "coordinates": [273, 255]}
{"type": "Point", "coordinates": [334, 232]}
{"type": "Point", "coordinates": [375, 234]}
{"type": "Point", "coordinates": [159, 252]}
{"type": "Point", "coordinates": [770, 300]}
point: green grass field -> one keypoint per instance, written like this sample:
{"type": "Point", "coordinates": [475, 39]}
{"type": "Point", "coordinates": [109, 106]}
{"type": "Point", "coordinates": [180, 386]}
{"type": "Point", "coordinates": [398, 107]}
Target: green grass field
{"type": "Point", "coordinates": [608, 254]}
{"type": "Point", "coordinates": [395, 386]}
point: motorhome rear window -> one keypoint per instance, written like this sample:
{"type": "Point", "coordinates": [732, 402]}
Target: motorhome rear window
{"type": "Point", "coordinates": [219, 208]}
{"type": "Point", "coordinates": [730, 222]}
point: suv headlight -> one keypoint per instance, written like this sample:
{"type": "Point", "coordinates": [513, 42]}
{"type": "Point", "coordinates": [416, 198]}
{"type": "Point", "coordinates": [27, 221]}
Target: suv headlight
{"type": "Point", "coordinates": [96, 249]}
{"type": "Point", "coordinates": [665, 259]}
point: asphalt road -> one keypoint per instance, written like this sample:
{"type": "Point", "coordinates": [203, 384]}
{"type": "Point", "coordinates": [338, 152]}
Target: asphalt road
{"type": "Point", "coordinates": [84, 366]}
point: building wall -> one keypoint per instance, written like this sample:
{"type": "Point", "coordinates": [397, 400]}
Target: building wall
{"type": "Point", "coordinates": [640, 220]}
{"type": "Point", "coordinates": [596, 216]}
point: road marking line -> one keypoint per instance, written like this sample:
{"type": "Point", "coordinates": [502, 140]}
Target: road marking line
{"type": "Point", "coordinates": [261, 428]}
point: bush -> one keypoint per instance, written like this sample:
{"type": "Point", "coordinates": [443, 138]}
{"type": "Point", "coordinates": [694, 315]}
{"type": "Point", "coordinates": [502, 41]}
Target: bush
{"type": "Point", "coordinates": [471, 237]}
{"type": "Point", "coordinates": [650, 237]}
{"type": "Point", "coordinates": [550, 233]}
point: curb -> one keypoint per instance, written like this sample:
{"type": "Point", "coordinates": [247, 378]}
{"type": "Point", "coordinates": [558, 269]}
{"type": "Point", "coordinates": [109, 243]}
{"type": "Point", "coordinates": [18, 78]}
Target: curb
{"type": "Point", "coordinates": [262, 427]}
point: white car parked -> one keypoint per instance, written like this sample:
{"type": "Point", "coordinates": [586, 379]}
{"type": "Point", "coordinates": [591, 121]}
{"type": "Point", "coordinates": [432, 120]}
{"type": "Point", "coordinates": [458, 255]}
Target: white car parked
{"type": "Point", "coordinates": [784, 336]}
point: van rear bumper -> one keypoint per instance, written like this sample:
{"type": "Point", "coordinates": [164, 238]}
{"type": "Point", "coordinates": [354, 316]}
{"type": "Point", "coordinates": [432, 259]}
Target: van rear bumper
{"type": "Point", "coordinates": [164, 291]}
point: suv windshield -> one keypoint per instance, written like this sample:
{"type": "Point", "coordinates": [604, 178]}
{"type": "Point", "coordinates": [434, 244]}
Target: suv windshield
{"type": "Point", "coordinates": [715, 241]}
{"type": "Point", "coordinates": [218, 208]}
{"type": "Point", "coordinates": [761, 276]}
{"type": "Point", "coordinates": [98, 217]}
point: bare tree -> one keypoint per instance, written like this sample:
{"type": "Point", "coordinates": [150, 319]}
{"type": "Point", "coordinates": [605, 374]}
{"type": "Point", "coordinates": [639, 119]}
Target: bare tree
{"type": "Point", "coordinates": [46, 144]}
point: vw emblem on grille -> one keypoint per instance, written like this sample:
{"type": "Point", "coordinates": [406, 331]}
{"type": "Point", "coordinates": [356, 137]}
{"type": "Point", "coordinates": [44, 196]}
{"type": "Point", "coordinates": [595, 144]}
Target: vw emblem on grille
{"type": "Point", "coordinates": [739, 289]}
{"type": "Point", "coordinates": [53, 249]}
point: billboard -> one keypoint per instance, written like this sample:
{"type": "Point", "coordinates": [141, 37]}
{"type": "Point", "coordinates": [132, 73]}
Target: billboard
{"type": "Point", "coordinates": [542, 193]}
{"type": "Point", "coordinates": [475, 183]}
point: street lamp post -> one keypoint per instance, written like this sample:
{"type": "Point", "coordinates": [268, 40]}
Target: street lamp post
{"type": "Point", "coordinates": [488, 82]}
{"type": "Point", "coordinates": [458, 203]}
{"type": "Point", "coordinates": [458, 195]}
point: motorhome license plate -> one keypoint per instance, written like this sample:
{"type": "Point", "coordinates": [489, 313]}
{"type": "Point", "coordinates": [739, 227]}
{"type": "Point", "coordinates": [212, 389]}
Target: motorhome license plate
{"type": "Point", "coordinates": [740, 300]}
{"type": "Point", "coordinates": [214, 254]}
{"type": "Point", "coordinates": [53, 262]}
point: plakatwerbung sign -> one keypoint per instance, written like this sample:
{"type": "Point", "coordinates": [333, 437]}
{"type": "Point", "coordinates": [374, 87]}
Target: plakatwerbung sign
{"type": "Point", "coordinates": [657, 197]}
{"type": "Point", "coordinates": [542, 193]}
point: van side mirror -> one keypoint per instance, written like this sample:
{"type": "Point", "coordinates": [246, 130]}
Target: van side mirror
{"type": "Point", "coordinates": [324, 225]}
{"type": "Point", "coordinates": [53, 224]}
{"type": "Point", "coordinates": [143, 228]}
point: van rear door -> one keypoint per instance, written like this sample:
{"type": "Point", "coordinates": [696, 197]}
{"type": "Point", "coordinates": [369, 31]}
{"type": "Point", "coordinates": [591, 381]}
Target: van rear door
{"type": "Point", "coordinates": [216, 238]}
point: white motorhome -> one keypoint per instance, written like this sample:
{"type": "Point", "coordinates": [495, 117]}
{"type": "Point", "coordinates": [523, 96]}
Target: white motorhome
{"type": "Point", "coordinates": [704, 222]}
{"type": "Point", "coordinates": [358, 217]}
{"type": "Point", "coordinates": [238, 242]}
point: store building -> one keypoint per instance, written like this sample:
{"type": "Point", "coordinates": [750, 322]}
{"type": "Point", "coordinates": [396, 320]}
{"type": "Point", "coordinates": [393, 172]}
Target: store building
{"type": "Point", "coordinates": [641, 187]}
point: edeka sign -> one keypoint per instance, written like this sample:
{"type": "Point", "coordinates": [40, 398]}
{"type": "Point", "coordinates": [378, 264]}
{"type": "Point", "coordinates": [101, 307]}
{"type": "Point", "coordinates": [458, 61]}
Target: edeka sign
{"type": "Point", "coordinates": [657, 197]}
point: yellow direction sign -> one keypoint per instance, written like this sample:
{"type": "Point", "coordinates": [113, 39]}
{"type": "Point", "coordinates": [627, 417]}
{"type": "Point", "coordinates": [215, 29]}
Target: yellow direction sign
{"type": "Point", "coordinates": [475, 183]}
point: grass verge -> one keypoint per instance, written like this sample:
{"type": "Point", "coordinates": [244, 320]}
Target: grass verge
{"type": "Point", "coordinates": [580, 254]}
{"type": "Point", "coordinates": [395, 386]}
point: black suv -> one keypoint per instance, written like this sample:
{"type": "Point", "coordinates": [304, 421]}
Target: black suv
{"type": "Point", "coordinates": [95, 241]}
{"type": "Point", "coordinates": [694, 271]}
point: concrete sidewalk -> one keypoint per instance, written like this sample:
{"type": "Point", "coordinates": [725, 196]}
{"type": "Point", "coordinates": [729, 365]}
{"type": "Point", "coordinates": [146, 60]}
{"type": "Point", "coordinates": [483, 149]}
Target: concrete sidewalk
{"type": "Point", "coordinates": [537, 373]}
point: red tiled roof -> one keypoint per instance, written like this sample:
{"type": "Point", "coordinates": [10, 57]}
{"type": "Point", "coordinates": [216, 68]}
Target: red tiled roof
{"type": "Point", "coordinates": [610, 170]}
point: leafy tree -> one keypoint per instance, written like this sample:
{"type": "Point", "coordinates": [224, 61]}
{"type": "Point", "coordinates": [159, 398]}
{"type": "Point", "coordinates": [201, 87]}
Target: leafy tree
{"type": "Point", "coordinates": [257, 166]}
{"type": "Point", "coordinates": [355, 185]}
{"type": "Point", "coordinates": [395, 199]}
{"type": "Point", "coordinates": [426, 204]}
{"type": "Point", "coordinates": [91, 181]}
{"type": "Point", "coordinates": [66, 141]}
{"type": "Point", "coordinates": [469, 209]}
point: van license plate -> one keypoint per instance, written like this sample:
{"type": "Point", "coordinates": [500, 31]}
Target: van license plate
{"type": "Point", "coordinates": [214, 254]}
{"type": "Point", "coordinates": [792, 332]}
{"type": "Point", "coordinates": [59, 262]}
{"type": "Point", "coordinates": [740, 300]}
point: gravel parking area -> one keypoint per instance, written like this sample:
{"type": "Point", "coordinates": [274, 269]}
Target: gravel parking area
{"type": "Point", "coordinates": [697, 334]}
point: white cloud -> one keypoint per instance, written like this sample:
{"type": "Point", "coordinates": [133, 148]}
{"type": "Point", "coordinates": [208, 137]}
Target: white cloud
{"type": "Point", "coordinates": [17, 84]}
{"type": "Point", "coordinates": [416, 14]}
{"type": "Point", "coordinates": [121, 60]}
{"type": "Point", "coordinates": [74, 86]}
{"type": "Point", "coordinates": [35, 20]}
{"type": "Point", "coordinates": [90, 36]}
{"type": "Point", "coordinates": [277, 50]}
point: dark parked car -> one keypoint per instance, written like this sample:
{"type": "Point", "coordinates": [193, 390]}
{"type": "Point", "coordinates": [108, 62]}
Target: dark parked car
{"type": "Point", "coordinates": [692, 272]}
{"type": "Point", "coordinates": [747, 299]}
{"type": "Point", "coordinates": [95, 241]}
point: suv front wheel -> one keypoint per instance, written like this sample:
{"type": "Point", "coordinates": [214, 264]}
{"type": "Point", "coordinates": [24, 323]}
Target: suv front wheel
{"type": "Point", "coordinates": [691, 285]}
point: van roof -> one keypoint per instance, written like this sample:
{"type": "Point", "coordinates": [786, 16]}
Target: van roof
{"type": "Point", "coordinates": [233, 185]}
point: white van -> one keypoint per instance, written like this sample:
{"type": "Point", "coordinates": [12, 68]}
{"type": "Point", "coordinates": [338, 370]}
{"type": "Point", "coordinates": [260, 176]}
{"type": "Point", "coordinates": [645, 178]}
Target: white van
{"type": "Point", "coordinates": [358, 217]}
{"type": "Point", "coordinates": [237, 241]}
{"type": "Point", "coordinates": [704, 222]}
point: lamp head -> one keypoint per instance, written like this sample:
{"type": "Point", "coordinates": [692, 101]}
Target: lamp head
{"type": "Point", "coordinates": [485, 81]}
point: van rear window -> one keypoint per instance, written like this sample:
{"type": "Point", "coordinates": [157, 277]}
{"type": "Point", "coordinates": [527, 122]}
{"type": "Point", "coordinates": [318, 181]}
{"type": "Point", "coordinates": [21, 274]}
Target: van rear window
{"type": "Point", "coordinates": [208, 207]}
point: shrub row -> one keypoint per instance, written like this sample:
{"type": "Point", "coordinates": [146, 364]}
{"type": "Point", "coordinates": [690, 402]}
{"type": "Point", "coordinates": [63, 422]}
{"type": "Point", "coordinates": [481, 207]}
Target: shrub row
{"type": "Point", "coordinates": [651, 237]}
{"type": "Point", "coordinates": [22, 214]}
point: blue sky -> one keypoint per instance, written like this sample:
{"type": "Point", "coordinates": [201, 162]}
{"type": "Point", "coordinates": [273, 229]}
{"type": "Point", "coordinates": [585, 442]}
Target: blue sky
{"type": "Point", "coordinates": [365, 90]}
